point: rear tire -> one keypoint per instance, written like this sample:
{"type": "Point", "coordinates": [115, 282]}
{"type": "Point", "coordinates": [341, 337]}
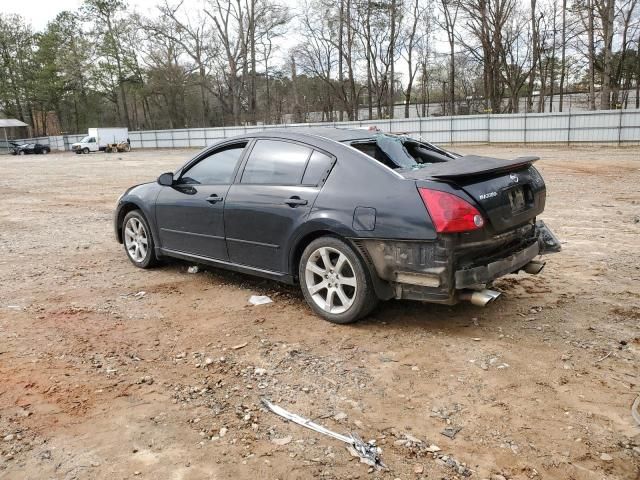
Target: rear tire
{"type": "Point", "coordinates": [335, 281]}
{"type": "Point", "coordinates": [137, 240]}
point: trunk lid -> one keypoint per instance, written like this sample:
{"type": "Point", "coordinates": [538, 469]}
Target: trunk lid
{"type": "Point", "coordinates": [508, 192]}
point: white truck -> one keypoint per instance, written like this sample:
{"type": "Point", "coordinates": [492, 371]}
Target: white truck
{"type": "Point", "coordinates": [99, 139]}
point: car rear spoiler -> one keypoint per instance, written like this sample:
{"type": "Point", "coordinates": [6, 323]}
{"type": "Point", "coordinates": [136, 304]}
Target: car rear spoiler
{"type": "Point", "coordinates": [468, 166]}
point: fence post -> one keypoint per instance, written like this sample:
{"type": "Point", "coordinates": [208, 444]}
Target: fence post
{"type": "Point", "coordinates": [525, 127]}
{"type": "Point", "coordinates": [451, 130]}
{"type": "Point", "coordinates": [620, 127]}
{"type": "Point", "coordinates": [488, 127]}
{"type": "Point", "coordinates": [569, 128]}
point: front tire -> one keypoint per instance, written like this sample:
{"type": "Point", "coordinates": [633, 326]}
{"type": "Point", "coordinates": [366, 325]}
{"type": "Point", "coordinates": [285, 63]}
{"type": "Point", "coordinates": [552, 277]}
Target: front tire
{"type": "Point", "coordinates": [85, 150]}
{"type": "Point", "coordinates": [335, 281]}
{"type": "Point", "coordinates": [137, 240]}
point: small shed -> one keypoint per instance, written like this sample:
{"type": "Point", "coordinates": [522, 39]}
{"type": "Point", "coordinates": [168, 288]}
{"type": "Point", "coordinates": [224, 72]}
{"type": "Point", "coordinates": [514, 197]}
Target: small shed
{"type": "Point", "coordinates": [6, 123]}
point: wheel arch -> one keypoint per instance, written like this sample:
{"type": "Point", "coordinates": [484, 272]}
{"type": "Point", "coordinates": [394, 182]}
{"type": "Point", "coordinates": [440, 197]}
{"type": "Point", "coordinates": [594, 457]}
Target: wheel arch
{"type": "Point", "coordinates": [383, 289]}
{"type": "Point", "coordinates": [302, 243]}
{"type": "Point", "coordinates": [123, 210]}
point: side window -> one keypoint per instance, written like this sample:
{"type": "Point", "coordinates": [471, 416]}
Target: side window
{"type": "Point", "coordinates": [274, 162]}
{"type": "Point", "coordinates": [92, 140]}
{"type": "Point", "coordinates": [215, 169]}
{"type": "Point", "coordinates": [317, 169]}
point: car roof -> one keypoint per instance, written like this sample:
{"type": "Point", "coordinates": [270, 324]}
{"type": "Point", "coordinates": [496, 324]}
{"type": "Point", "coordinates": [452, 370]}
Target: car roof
{"type": "Point", "coordinates": [331, 133]}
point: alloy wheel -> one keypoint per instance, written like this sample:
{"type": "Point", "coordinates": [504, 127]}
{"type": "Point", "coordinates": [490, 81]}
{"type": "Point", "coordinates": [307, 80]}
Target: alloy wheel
{"type": "Point", "coordinates": [136, 239]}
{"type": "Point", "coordinates": [330, 280]}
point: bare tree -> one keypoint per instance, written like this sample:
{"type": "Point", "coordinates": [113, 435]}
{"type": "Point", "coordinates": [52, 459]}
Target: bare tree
{"type": "Point", "coordinates": [193, 34]}
{"type": "Point", "coordinates": [485, 21]}
{"type": "Point", "coordinates": [230, 21]}
{"type": "Point", "coordinates": [449, 10]}
{"type": "Point", "coordinates": [108, 32]}
{"type": "Point", "coordinates": [606, 12]}
{"type": "Point", "coordinates": [517, 64]}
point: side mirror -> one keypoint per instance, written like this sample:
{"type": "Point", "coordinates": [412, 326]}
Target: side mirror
{"type": "Point", "coordinates": [166, 179]}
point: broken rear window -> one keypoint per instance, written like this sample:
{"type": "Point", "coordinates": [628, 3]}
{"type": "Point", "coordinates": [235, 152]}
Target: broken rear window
{"type": "Point", "coordinates": [401, 152]}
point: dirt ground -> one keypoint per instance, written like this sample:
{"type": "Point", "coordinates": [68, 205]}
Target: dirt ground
{"type": "Point", "coordinates": [109, 371]}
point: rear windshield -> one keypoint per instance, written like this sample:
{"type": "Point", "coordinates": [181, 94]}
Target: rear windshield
{"type": "Point", "coordinates": [402, 153]}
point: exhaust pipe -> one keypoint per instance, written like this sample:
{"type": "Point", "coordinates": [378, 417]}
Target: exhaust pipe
{"type": "Point", "coordinates": [480, 298]}
{"type": "Point", "coordinates": [534, 267]}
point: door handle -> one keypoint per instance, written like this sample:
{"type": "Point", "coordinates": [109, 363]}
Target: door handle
{"type": "Point", "coordinates": [295, 201]}
{"type": "Point", "coordinates": [214, 199]}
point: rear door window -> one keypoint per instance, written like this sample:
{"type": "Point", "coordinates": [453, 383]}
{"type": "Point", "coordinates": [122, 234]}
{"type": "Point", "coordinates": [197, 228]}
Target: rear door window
{"type": "Point", "coordinates": [318, 168]}
{"type": "Point", "coordinates": [274, 162]}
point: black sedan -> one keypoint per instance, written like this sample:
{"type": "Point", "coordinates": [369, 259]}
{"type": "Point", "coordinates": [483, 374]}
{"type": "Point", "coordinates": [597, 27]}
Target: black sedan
{"type": "Point", "coordinates": [353, 216]}
{"type": "Point", "coordinates": [30, 148]}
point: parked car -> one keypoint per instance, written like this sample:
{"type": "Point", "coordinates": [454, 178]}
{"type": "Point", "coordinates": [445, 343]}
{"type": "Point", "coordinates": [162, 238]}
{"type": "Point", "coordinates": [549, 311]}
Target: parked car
{"type": "Point", "coordinates": [353, 216]}
{"type": "Point", "coordinates": [30, 148]}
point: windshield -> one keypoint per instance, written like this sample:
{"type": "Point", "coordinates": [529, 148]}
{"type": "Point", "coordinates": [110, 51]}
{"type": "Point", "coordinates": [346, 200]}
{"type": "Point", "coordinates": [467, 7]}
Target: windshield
{"type": "Point", "coordinates": [402, 152]}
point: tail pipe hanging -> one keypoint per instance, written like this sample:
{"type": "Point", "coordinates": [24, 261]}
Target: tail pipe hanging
{"type": "Point", "coordinates": [480, 298]}
{"type": "Point", "coordinates": [534, 267]}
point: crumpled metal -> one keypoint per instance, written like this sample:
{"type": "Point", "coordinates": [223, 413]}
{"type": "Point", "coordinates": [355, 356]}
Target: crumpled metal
{"type": "Point", "coordinates": [368, 452]}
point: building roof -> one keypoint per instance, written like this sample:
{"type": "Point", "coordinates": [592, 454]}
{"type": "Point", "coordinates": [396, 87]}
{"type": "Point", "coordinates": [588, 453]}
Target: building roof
{"type": "Point", "coordinates": [11, 122]}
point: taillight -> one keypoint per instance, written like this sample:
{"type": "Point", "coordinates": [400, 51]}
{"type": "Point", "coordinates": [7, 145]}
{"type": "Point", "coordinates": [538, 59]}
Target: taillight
{"type": "Point", "coordinates": [449, 212]}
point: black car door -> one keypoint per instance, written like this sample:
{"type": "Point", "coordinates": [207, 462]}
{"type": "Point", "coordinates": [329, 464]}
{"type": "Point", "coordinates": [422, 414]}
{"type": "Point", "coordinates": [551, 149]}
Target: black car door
{"type": "Point", "coordinates": [189, 214]}
{"type": "Point", "coordinates": [275, 193]}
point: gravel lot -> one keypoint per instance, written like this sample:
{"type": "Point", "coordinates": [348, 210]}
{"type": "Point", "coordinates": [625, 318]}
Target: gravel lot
{"type": "Point", "coordinates": [108, 371]}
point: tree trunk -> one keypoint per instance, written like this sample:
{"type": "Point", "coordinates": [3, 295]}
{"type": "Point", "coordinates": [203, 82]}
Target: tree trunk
{"type": "Point", "coordinates": [368, 42]}
{"type": "Point", "coordinates": [563, 67]}
{"type": "Point", "coordinates": [341, 54]}
{"type": "Point", "coordinates": [608, 13]}
{"type": "Point", "coordinates": [297, 111]}
{"type": "Point", "coordinates": [253, 101]}
{"type": "Point", "coordinates": [452, 81]}
{"type": "Point", "coordinates": [424, 89]}
{"type": "Point", "coordinates": [592, 56]}
{"type": "Point", "coordinates": [392, 48]}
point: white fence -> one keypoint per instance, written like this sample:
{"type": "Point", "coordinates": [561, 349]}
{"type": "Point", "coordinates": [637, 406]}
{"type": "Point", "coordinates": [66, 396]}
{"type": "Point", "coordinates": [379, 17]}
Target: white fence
{"type": "Point", "coordinates": [612, 126]}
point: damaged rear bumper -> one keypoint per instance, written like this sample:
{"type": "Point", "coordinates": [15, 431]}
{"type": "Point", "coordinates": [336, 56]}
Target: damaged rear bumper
{"type": "Point", "coordinates": [439, 271]}
{"type": "Point", "coordinates": [483, 274]}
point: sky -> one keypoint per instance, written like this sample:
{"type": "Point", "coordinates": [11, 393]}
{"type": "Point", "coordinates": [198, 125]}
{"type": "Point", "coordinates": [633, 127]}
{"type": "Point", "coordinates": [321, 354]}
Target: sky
{"type": "Point", "coordinates": [40, 12]}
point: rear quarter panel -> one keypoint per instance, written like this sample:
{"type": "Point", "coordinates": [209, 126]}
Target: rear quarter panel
{"type": "Point", "coordinates": [360, 181]}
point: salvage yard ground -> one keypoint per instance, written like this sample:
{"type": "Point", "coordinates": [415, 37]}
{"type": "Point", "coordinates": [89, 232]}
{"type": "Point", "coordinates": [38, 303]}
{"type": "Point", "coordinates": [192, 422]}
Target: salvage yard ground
{"type": "Point", "coordinates": [108, 371]}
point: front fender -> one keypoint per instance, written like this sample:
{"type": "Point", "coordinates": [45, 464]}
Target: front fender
{"type": "Point", "coordinates": [143, 198]}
